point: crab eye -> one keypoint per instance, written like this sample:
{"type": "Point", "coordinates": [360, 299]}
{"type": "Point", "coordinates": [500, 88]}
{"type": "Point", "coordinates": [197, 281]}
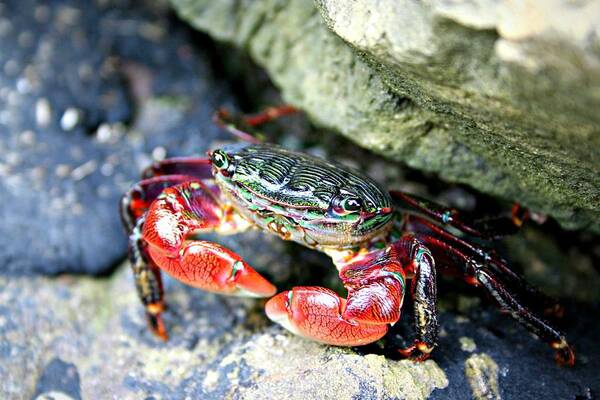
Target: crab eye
{"type": "Point", "coordinates": [220, 160]}
{"type": "Point", "coordinates": [346, 205]}
{"type": "Point", "coordinates": [351, 205]}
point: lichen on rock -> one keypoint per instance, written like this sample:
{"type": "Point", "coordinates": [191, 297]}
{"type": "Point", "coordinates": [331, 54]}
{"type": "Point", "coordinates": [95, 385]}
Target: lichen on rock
{"type": "Point", "coordinates": [482, 374]}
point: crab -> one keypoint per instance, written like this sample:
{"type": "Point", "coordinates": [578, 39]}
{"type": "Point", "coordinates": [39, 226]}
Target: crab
{"type": "Point", "coordinates": [378, 240]}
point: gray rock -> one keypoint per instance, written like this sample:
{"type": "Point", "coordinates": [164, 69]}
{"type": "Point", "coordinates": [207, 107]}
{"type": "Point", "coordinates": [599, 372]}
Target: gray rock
{"type": "Point", "coordinates": [70, 142]}
{"type": "Point", "coordinates": [59, 377]}
{"type": "Point", "coordinates": [74, 336]}
{"type": "Point", "coordinates": [86, 338]}
{"type": "Point", "coordinates": [473, 91]}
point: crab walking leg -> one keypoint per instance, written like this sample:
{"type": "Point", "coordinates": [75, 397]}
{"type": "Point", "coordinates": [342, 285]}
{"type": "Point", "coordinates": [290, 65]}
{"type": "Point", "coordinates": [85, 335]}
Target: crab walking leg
{"type": "Point", "coordinates": [234, 124]}
{"type": "Point", "coordinates": [171, 226]}
{"type": "Point", "coordinates": [376, 284]}
{"type": "Point", "coordinates": [269, 114]}
{"type": "Point", "coordinates": [199, 168]}
{"type": "Point", "coordinates": [535, 298]}
{"type": "Point", "coordinates": [564, 353]}
{"type": "Point", "coordinates": [486, 228]}
{"type": "Point", "coordinates": [148, 281]}
{"type": "Point", "coordinates": [424, 292]}
{"type": "Point", "coordinates": [502, 293]}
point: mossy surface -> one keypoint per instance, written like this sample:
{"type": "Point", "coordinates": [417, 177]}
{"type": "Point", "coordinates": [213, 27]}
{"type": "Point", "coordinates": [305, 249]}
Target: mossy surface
{"type": "Point", "coordinates": [461, 113]}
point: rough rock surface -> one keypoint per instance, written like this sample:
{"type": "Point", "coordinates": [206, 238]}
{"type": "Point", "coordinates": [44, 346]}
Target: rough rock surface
{"type": "Point", "coordinates": [77, 337]}
{"type": "Point", "coordinates": [86, 338]}
{"type": "Point", "coordinates": [501, 98]}
{"type": "Point", "coordinates": [86, 101]}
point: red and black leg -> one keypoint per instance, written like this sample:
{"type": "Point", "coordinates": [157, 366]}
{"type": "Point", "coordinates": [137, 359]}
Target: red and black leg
{"type": "Point", "coordinates": [236, 124]}
{"type": "Point", "coordinates": [420, 264]}
{"type": "Point", "coordinates": [482, 227]}
{"type": "Point", "coordinates": [134, 205]}
{"type": "Point", "coordinates": [197, 168]}
{"type": "Point", "coordinates": [536, 299]}
{"type": "Point", "coordinates": [502, 290]}
{"type": "Point", "coordinates": [147, 276]}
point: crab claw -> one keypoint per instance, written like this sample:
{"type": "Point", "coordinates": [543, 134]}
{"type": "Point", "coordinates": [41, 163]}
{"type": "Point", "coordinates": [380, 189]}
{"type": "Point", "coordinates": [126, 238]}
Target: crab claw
{"type": "Point", "coordinates": [214, 268]}
{"type": "Point", "coordinates": [317, 313]}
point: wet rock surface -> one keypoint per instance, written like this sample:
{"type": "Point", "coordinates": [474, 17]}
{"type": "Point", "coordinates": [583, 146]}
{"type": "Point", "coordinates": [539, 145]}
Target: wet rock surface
{"type": "Point", "coordinates": [87, 94]}
{"type": "Point", "coordinates": [72, 141]}
{"type": "Point", "coordinates": [482, 93]}
{"type": "Point", "coordinates": [87, 338]}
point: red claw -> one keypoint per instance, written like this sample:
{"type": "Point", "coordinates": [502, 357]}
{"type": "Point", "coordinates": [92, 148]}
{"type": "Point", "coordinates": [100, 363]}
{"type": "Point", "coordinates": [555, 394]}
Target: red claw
{"type": "Point", "coordinates": [317, 313]}
{"type": "Point", "coordinates": [212, 267]}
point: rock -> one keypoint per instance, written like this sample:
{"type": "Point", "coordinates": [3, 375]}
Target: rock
{"type": "Point", "coordinates": [87, 338]}
{"type": "Point", "coordinates": [474, 92]}
{"type": "Point", "coordinates": [88, 95]}
{"type": "Point", "coordinates": [58, 377]}
{"type": "Point", "coordinates": [73, 336]}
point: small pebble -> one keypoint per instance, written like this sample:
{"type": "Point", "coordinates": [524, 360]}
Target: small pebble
{"type": "Point", "coordinates": [62, 170]}
{"type": "Point", "coordinates": [25, 39]}
{"type": "Point", "coordinates": [27, 138]}
{"type": "Point", "coordinates": [109, 133]}
{"type": "Point", "coordinates": [43, 112]}
{"type": "Point", "coordinates": [11, 67]}
{"type": "Point", "coordinates": [84, 170]}
{"type": "Point", "coordinates": [467, 344]}
{"type": "Point", "coordinates": [107, 169]}
{"type": "Point", "coordinates": [5, 27]}
{"type": "Point", "coordinates": [23, 86]}
{"type": "Point", "coordinates": [159, 153]}
{"type": "Point", "coordinates": [70, 119]}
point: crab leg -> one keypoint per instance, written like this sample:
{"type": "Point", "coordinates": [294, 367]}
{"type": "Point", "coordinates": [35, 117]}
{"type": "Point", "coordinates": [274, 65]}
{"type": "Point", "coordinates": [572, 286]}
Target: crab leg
{"type": "Point", "coordinates": [163, 208]}
{"type": "Point", "coordinates": [424, 293]}
{"type": "Point", "coordinates": [375, 282]}
{"type": "Point", "coordinates": [148, 281]}
{"type": "Point", "coordinates": [269, 114]}
{"type": "Point", "coordinates": [235, 124]}
{"type": "Point", "coordinates": [199, 168]}
{"type": "Point", "coordinates": [137, 200]}
{"type": "Point", "coordinates": [486, 228]}
{"type": "Point", "coordinates": [547, 305]}
{"type": "Point", "coordinates": [478, 274]}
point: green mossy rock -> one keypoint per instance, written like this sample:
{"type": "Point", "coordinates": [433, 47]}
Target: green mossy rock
{"type": "Point", "coordinates": [503, 100]}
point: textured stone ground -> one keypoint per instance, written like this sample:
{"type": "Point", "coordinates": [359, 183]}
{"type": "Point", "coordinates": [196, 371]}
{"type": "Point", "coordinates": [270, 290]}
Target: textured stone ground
{"type": "Point", "coordinates": [143, 86]}
{"type": "Point", "coordinates": [87, 338]}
